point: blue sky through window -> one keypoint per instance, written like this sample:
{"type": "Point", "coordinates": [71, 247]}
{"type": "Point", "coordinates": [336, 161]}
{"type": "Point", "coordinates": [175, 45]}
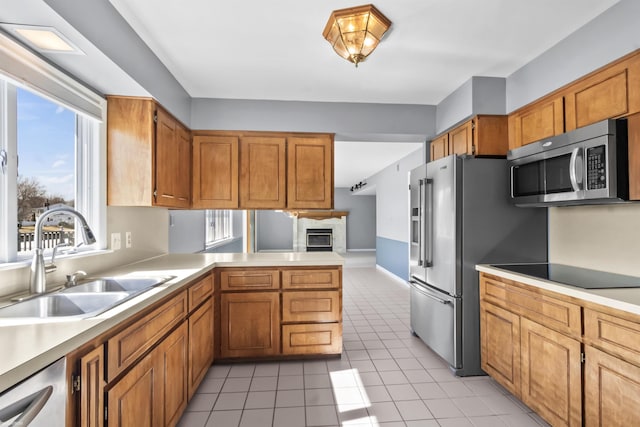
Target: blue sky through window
{"type": "Point", "coordinates": [46, 144]}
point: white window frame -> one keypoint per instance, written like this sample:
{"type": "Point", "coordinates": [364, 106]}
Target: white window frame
{"type": "Point", "coordinates": [21, 68]}
{"type": "Point", "coordinates": [213, 236]}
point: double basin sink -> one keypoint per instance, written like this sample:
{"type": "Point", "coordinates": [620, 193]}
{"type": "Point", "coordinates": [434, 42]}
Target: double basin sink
{"type": "Point", "coordinates": [87, 299]}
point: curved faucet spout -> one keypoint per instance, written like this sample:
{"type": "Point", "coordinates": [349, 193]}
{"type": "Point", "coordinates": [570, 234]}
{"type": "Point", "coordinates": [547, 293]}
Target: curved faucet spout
{"type": "Point", "coordinates": [38, 283]}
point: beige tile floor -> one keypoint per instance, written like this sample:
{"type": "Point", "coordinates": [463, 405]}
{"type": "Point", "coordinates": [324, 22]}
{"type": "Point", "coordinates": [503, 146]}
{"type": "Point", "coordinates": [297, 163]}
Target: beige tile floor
{"type": "Point", "coordinates": [385, 377]}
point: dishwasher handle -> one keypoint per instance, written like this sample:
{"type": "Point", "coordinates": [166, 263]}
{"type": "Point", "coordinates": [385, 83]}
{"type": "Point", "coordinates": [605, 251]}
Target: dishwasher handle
{"type": "Point", "coordinates": [27, 408]}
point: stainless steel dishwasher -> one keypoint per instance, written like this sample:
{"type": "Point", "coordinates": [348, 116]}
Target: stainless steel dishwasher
{"type": "Point", "coordinates": [40, 400]}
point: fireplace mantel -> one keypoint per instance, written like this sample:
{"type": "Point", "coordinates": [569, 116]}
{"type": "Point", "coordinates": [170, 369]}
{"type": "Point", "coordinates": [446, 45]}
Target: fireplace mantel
{"type": "Point", "coordinates": [319, 215]}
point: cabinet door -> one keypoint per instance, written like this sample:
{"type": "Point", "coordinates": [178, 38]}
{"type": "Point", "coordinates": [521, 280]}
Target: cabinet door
{"type": "Point", "coordinates": [551, 374]}
{"type": "Point", "coordinates": [168, 174]}
{"type": "Point", "coordinates": [607, 93]}
{"type": "Point", "coordinates": [500, 345]}
{"type": "Point", "coordinates": [611, 390]}
{"type": "Point", "coordinates": [461, 139]}
{"type": "Point", "coordinates": [215, 172]}
{"type": "Point", "coordinates": [200, 344]}
{"type": "Point", "coordinates": [490, 135]}
{"type": "Point", "coordinates": [536, 121]}
{"type": "Point", "coordinates": [92, 388]}
{"type": "Point", "coordinates": [310, 172]}
{"type": "Point", "coordinates": [183, 174]}
{"type": "Point", "coordinates": [136, 399]}
{"type": "Point", "coordinates": [130, 151]}
{"type": "Point", "coordinates": [250, 324]}
{"type": "Point", "coordinates": [439, 147]}
{"type": "Point", "coordinates": [173, 356]}
{"type": "Point", "coordinates": [263, 173]}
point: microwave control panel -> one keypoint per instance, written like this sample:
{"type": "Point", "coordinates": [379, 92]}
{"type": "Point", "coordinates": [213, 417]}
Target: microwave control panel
{"type": "Point", "coordinates": [596, 168]}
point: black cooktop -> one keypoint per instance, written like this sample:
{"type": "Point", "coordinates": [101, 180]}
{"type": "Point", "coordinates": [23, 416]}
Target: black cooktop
{"type": "Point", "coordinates": [574, 276]}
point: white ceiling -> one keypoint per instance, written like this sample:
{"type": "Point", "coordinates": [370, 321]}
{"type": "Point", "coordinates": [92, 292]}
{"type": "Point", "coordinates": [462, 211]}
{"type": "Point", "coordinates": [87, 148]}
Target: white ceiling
{"type": "Point", "coordinates": [256, 49]}
{"type": "Point", "coordinates": [274, 50]}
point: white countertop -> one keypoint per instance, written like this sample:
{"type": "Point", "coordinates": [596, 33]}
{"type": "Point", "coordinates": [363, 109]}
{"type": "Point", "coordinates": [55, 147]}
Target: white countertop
{"type": "Point", "coordinates": [626, 299]}
{"type": "Point", "coordinates": [28, 347]}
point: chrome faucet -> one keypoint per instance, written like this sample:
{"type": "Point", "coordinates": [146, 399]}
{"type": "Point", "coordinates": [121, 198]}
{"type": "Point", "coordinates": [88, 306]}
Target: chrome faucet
{"type": "Point", "coordinates": [38, 283]}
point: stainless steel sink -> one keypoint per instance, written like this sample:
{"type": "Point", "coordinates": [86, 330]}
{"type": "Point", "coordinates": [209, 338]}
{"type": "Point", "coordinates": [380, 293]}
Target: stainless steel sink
{"type": "Point", "coordinates": [65, 305]}
{"type": "Point", "coordinates": [86, 299]}
{"type": "Point", "coordinates": [118, 284]}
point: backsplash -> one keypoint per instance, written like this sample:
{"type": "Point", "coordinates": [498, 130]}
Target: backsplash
{"type": "Point", "coordinates": [602, 237]}
{"type": "Point", "coordinates": [150, 237]}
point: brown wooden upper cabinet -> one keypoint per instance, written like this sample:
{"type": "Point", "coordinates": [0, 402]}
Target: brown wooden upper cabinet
{"type": "Point", "coordinates": [148, 155]}
{"type": "Point", "coordinates": [310, 172]}
{"type": "Point", "coordinates": [536, 121]}
{"type": "Point", "coordinates": [215, 172]}
{"type": "Point", "coordinates": [262, 170]}
{"type": "Point", "coordinates": [608, 92]}
{"type": "Point", "coordinates": [482, 135]}
{"type": "Point", "coordinates": [439, 147]}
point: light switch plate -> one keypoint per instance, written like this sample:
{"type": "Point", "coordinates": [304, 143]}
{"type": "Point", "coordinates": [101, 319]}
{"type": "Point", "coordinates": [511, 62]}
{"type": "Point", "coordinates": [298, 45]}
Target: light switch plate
{"type": "Point", "coordinates": [115, 241]}
{"type": "Point", "coordinates": [127, 239]}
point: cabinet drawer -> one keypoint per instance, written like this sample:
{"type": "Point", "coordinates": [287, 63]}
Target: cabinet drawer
{"type": "Point", "coordinates": [311, 279]}
{"type": "Point", "coordinates": [323, 338]}
{"type": "Point", "coordinates": [249, 280]}
{"type": "Point", "coordinates": [556, 314]}
{"type": "Point", "coordinates": [200, 292]}
{"type": "Point", "coordinates": [323, 306]}
{"type": "Point", "coordinates": [129, 344]}
{"type": "Point", "coordinates": [613, 334]}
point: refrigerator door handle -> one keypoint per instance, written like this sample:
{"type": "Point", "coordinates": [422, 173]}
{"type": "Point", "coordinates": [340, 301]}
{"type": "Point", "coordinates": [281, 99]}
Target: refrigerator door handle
{"type": "Point", "coordinates": [418, 287]}
{"type": "Point", "coordinates": [420, 221]}
{"type": "Point", "coordinates": [428, 234]}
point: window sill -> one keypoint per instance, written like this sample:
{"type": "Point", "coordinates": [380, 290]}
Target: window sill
{"type": "Point", "coordinates": [219, 243]}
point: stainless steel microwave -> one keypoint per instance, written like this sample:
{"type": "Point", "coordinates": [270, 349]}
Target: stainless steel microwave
{"type": "Point", "coordinates": [588, 165]}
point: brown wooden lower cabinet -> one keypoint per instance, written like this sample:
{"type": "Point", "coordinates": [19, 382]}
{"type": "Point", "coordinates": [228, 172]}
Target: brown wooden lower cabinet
{"type": "Point", "coordinates": [611, 390]}
{"type": "Point", "coordinates": [570, 369]}
{"type": "Point", "coordinates": [250, 324]}
{"type": "Point", "coordinates": [92, 388]}
{"type": "Point", "coordinates": [135, 400]}
{"type": "Point", "coordinates": [312, 338]}
{"type": "Point", "coordinates": [551, 374]}
{"type": "Point", "coordinates": [500, 345]}
{"type": "Point", "coordinates": [201, 341]}
{"type": "Point", "coordinates": [154, 391]}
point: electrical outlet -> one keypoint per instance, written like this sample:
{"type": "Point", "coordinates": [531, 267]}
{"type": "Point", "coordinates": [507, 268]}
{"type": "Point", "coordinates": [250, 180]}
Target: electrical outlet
{"type": "Point", "coordinates": [127, 239]}
{"type": "Point", "coordinates": [115, 241]}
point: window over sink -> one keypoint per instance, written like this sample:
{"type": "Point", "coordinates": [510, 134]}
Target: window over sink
{"type": "Point", "coordinates": [50, 140]}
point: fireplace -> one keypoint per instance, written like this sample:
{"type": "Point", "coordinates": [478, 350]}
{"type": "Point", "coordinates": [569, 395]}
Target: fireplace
{"type": "Point", "coordinates": [319, 239]}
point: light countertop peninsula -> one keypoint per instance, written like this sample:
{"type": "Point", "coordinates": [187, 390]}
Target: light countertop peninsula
{"type": "Point", "coordinates": [29, 346]}
{"type": "Point", "coordinates": [625, 299]}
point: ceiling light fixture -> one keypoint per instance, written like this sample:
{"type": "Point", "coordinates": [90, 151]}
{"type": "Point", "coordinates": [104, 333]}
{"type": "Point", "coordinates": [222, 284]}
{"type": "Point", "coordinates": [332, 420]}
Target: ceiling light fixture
{"type": "Point", "coordinates": [356, 31]}
{"type": "Point", "coordinates": [43, 39]}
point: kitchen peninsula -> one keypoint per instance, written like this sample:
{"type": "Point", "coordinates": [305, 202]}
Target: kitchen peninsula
{"type": "Point", "coordinates": [216, 299]}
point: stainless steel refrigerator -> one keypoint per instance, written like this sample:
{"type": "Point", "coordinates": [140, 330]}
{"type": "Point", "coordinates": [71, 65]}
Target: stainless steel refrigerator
{"type": "Point", "coordinates": [461, 216]}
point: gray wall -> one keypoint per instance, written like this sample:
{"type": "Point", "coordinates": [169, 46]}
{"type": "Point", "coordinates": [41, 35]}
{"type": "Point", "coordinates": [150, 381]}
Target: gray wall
{"type": "Point", "coordinates": [361, 221]}
{"type": "Point", "coordinates": [609, 36]}
{"type": "Point", "coordinates": [274, 231]}
{"type": "Point", "coordinates": [349, 121]}
{"type": "Point", "coordinates": [479, 95]}
{"type": "Point", "coordinates": [103, 26]}
{"type": "Point", "coordinates": [186, 231]}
